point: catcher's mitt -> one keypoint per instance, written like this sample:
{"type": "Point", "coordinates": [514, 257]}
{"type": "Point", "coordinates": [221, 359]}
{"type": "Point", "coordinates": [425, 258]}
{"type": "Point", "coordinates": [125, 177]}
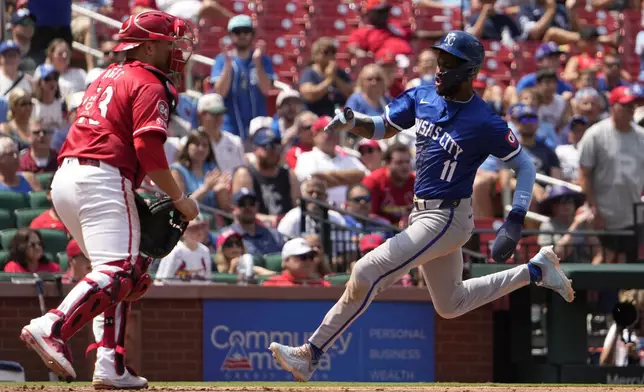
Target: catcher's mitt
{"type": "Point", "coordinates": [161, 226]}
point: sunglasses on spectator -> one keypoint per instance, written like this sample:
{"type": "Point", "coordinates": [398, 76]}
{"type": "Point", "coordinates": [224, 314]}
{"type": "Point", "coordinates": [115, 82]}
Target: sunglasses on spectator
{"type": "Point", "coordinates": [528, 120]}
{"type": "Point", "coordinates": [307, 256]}
{"type": "Point", "coordinates": [41, 132]}
{"type": "Point", "coordinates": [34, 244]}
{"type": "Point", "coordinates": [247, 203]}
{"type": "Point", "coordinates": [374, 78]}
{"type": "Point", "coordinates": [243, 30]}
{"type": "Point", "coordinates": [271, 145]}
{"type": "Point", "coordinates": [304, 127]}
{"type": "Point", "coordinates": [361, 199]}
{"type": "Point", "coordinates": [368, 150]}
{"type": "Point", "coordinates": [232, 243]}
{"type": "Point", "coordinates": [613, 64]}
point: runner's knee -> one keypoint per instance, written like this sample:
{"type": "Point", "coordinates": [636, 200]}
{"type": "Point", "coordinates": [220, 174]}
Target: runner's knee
{"type": "Point", "coordinates": [360, 282]}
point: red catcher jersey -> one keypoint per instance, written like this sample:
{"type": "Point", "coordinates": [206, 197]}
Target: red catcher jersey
{"type": "Point", "coordinates": [125, 102]}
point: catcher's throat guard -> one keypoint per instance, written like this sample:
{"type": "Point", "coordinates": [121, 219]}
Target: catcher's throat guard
{"type": "Point", "coordinates": [161, 226]}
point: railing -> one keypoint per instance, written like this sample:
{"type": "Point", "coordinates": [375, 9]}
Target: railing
{"type": "Point", "coordinates": [96, 17]}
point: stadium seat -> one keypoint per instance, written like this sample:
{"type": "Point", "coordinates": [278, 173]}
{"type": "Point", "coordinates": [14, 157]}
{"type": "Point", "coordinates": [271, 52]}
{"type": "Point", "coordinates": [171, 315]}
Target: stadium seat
{"type": "Point", "coordinates": [274, 262]}
{"type": "Point", "coordinates": [45, 179]}
{"type": "Point", "coordinates": [13, 200]}
{"type": "Point", "coordinates": [24, 216]}
{"type": "Point", "coordinates": [38, 199]}
{"type": "Point", "coordinates": [61, 259]}
{"type": "Point", "coordinates": [4, 255]}
{"type": "Point", "coordinates": [54, 240]}
{"type": "Point", "coordinates": [224, 278]}
{"type": "Point", "coordinates": [6, 236]}
{"type": "Point", "coordinates": [6, 220]}
{"type": "Point", "coordinates": [338, 279]}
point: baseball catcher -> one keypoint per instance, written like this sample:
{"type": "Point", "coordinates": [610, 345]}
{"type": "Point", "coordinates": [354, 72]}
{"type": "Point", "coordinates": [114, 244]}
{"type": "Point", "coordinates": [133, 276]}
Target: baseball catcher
{"type": "Point", "coordinates": [116, 140]}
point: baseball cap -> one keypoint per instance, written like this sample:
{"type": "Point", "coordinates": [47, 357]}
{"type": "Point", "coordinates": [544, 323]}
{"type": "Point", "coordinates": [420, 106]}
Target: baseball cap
{"type": "Point", "coordinates": [286, 94]}
{"type": "Point", "coordinates": [199, 220]}
{"type": "Point", "coordinates": [225, 236]}
{"type": "Point", "coordinates": [320, 124]}
{"type": "Point", "coordinates": [242, 193]}
{"type": "Point", "coordinates": [296, 247]}
{"type": "Point", "coordinates": [377, 5]}
{"type": "Point", "coordinates": [547, 49]}
{"type": "Point", "coordinates": [370, 242]}
{"type": "Point", "coordinates": [73, 249]}
{"type": "Point", "coordinates": [21, 15]}
{"type": "Point", "coordinates": [240, 21]}
{"type": "Point", "coordinates": [73, 101]}
{"type": "Point", "coordinates": [43, 71]}
{"type": "Point", "coordinates": [7, 46]}
{"type": "Point", "coordinates": [266, 136]}
{"type": "Point", "coordinates": [211, 103]}
{"type": "Point", "coordinates": [622, 95]}
{"type": "Point", "coordinates": [258, 123]}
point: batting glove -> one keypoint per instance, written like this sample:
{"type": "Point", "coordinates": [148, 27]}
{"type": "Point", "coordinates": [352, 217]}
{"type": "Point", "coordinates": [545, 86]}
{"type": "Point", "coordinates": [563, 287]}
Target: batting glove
{"type": "Point", "coordinates": [508, 236]}
{"type": "Point", "coordinates": [340, 123]}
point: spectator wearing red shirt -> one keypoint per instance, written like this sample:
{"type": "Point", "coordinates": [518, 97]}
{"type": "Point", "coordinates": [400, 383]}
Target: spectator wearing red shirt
{"type": "Point", "coordinates": [299, 266]}
{"type": "Point", "coordinates": [303, 139]}
{"type": "Point", "coordinates": [370, 154]}
{"type": "Point", "coordinates": [392, 186]}
{"type": "Point", "coordinates": [378, 35]}
{"type": "Point", "coordinates": [39, 157]}
{"type": "Point", "coordinates": [48, 219]}
{"type": "Point", "coordinates": [27, 254]}
{"type": "Point", "coordinates": [79, 264]}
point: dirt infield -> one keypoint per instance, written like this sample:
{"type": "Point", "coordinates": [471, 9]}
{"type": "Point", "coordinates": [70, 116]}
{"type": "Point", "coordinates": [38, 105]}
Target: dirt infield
{"type": "Point", "coordinates": [316, 388]}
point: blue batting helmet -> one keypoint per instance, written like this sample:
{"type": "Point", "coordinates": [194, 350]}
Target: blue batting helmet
{"type": "Point", "coordinates": [466, 47]}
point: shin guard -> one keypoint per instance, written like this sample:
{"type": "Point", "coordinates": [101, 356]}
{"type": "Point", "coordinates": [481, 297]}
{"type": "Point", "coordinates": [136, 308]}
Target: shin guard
{"type": "Point", "coordinates": [140, 278]}
{"type": "Point", "coordinates": [109, 334]}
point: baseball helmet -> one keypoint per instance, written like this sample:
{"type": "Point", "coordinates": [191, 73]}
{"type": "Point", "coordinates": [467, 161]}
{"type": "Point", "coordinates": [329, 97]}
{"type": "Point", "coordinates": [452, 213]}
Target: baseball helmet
{"type": "Point", "coordinates": [158, 26]}
{"type": "Point", "coordinates": [466, 47]}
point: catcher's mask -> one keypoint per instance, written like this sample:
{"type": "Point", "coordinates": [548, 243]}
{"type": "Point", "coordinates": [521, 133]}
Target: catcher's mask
{"type": "Point", "coordinates": [159, 26]}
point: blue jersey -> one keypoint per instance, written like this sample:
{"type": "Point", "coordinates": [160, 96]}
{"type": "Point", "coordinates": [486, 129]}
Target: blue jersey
{"type": "Point", "coordinates": [452, 140]}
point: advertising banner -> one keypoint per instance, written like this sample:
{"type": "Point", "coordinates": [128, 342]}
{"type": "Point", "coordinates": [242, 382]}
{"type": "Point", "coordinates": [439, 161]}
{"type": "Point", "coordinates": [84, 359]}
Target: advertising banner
{"type": "Point", "coordinates": [390, 342]}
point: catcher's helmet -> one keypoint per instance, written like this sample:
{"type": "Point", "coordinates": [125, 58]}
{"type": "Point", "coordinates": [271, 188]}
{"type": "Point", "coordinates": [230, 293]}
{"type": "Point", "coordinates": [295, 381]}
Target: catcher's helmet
{"type": "Point", "coordinates": [466, 47]}
{"type": "Point", "coordinates": [158, 26]}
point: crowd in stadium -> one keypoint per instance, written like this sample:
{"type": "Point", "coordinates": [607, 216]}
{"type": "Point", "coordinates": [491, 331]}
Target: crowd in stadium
{"type": "Point", "coordinates": [564, 75]}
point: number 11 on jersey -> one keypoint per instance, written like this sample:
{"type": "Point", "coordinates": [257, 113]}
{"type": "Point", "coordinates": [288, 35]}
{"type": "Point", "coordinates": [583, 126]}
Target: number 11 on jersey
{"type": "Point", "coordinates": [449, 167]}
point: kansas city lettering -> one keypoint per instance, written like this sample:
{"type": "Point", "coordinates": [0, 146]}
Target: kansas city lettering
{"type": "Point", "coordinates": [427, 129]}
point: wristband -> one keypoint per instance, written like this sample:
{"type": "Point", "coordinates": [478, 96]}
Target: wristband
{"type": "Point", "coordinates": [379, 128]}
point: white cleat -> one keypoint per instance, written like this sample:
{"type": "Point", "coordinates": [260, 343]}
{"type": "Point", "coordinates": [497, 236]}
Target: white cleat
{"type": "Point", "coordinates": [127, 381]}
{"type": "Point", "coordinates": [296, 360]}
{"type": "Point", "coordinates": [552, 276]}
{"type": "Point", "coordinates": [54, 352]}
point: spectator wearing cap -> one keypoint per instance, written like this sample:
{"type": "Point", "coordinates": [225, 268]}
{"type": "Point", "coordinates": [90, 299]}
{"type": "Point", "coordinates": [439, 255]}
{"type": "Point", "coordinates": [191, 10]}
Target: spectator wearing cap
{"type": "Point", "coordinates": [303, 140]}
{"type": "Point", "coordinates": [325, 160]}
{"type": "Point", "coordinates": [489, 23]}
{"type": "Point", "coordinates": [323, 85]}
{"type": "Point", "coordinates": [48, 219]}
{"type": "Point", "coordinates": [230, 249]}
{"type": "Point", "coordinates": [39, 157]}
{"type": "Point", "coordinates": [196, 173]}
{"type": "Point", "coordinates": [322, 265]}
{"type": "Point", "coordinates": [22, 27]}
{"type": "Point", "coordinates": [78, 264]}
{"type": "Point", "coordinates": [48, 104]}
{"type": "Point", "coordinates": [610, 162]}
{"type": "Point", "coordinates": [275, 186]}
{"type": "Point", "coordinates": [190, 259]}
{"type": "Point", "coordinates": [425, 68]}
{"type": "Point", "coordinates": [568, 153]}
{"type": "Point", "coordinates": [289, 106]}
{"type": "Point", "coordinates": [72, 102]}
{"type": "Point", "coordinates": [26, 254]}
{"type": "Point", "coordinates": [392, 186]}
{"type": "Point", "coordinates": [370, 96]}
{"type": "Point", "coordinates": [544, 157]}
{"type": "Point", "coordinates": [568, 215]}
{"type": "Point", "coordinates": [70, 79]}
{"type": "Point", "coordinates": [298, 266]}
{"type": "Point", "coordinates": [552, 108]}
{"type": "Point", "coordinates": [53, 20]}
{"type": "Point", "coordinates": [548, 55]}
{"type": "Point", "coordinates": [258, 239]}
{"type": "Point", "coordinates": [379, 34]}
{"type": "Point", "coordinates": [370, 154]}
{"type": "Point", "coordinates": [10, 76]}
{"type": "Point", "coordinates": [612, 73]}
{"type": "Point", "coordinates": [10, 178]}
{"type": "Point", "coordinates": [228, 148]}
{"type": "Point", "coordinates": [20, 110]}
{"type": "Point", "coordinates": [243, 77]}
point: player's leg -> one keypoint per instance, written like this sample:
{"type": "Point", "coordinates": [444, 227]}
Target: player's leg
{"type": "Point", "coordinates": [432, 234]}
{"type": "Point", "coordinates": [101, 203]}
{"type": "Point", "coordinates": [453, 297]}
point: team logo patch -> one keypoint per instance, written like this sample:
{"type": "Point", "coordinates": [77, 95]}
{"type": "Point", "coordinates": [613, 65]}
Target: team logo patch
{"type": "Point", "coordinates": [164, 110]}
{"type": "Point", "coordinates": [511, 138]}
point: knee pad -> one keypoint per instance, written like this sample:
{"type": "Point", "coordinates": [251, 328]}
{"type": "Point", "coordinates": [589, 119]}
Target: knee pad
{"type": "Point", "coordinates": [140, 278]}
{"type": "Point", "coordinates": [104, 286]}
